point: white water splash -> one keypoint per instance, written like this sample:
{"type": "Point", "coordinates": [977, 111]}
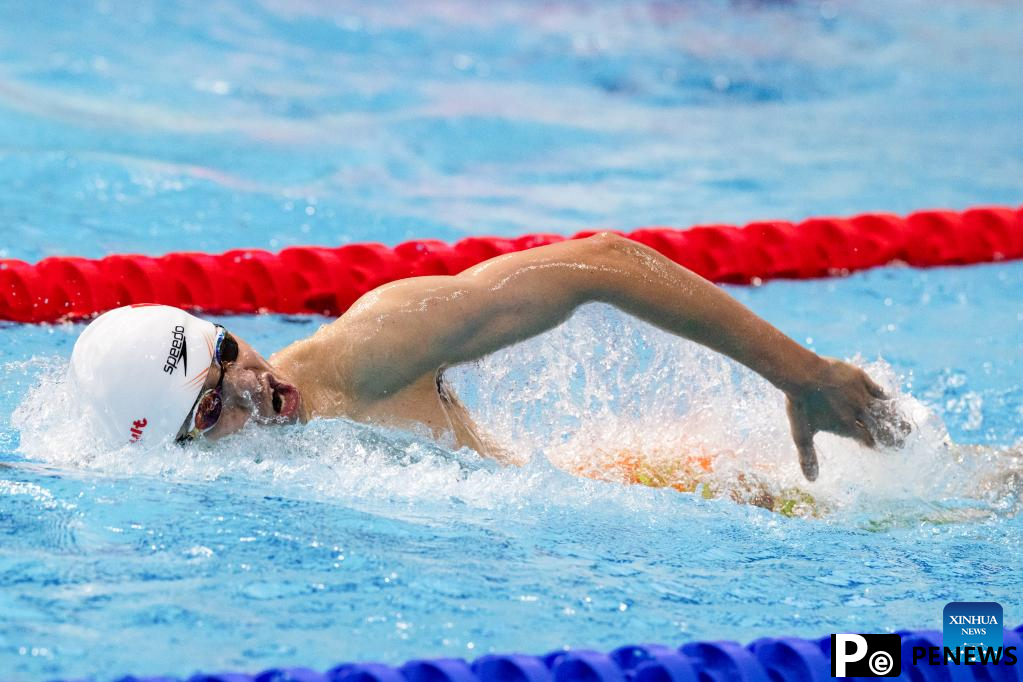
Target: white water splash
{"type": "Point", "coordinates": [326, 459]}
{"type": "Point", "coordinates": [605, 386]}
{"type": "Point", "coordinates": [597, 390]}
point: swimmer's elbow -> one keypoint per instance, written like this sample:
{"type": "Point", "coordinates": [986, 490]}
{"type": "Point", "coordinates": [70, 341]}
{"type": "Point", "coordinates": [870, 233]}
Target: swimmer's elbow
{"type": "Point", "coordinates": [608, 245]}
{"type": "Point", "coordinates": [608, 240]}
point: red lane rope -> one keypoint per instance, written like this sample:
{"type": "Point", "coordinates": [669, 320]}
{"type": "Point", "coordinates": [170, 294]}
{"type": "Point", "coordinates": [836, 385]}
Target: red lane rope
{"type": "Point", "coordinates": [328, 280]}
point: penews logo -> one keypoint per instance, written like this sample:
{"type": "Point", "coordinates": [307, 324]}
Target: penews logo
{"type": "Point", "coordinates": [971, 635]}
{"type": "Point", "coordinates": [178, 351]}
{"type": "Point", "coordinates": [866, 655]}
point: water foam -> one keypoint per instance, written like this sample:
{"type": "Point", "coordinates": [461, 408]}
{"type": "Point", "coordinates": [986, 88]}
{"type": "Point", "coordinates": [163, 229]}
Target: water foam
{"type": "Point", "coordinates": [605, 384]}
{"type": "Point", "coordinates": [577, 399]}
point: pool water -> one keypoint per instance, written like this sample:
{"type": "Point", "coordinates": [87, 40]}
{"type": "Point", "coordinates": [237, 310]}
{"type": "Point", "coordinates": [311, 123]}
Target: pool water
{"type": "Point", "coordinates": [150, 127]}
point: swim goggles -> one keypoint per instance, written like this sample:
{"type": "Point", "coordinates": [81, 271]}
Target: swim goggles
{"type": "Point", "coordinates": [206, 410]}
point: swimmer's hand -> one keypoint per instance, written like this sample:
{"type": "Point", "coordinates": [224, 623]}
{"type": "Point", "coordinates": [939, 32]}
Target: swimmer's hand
{"type": "Point", "coordinates": [842, 400]}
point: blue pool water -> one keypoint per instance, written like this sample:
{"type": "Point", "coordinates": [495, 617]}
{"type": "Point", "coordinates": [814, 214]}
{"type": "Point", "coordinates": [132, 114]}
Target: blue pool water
{"type": "Point", "coordinates": [150, 127]}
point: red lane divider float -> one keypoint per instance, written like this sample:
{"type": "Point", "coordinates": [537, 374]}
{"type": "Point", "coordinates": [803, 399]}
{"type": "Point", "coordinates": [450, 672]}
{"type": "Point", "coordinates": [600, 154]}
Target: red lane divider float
{"type": "Point", "coordinates": [328, 280]}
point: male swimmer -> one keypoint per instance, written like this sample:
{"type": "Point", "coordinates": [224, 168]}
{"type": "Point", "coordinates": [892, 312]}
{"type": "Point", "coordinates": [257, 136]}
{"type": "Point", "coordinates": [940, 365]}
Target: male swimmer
{"type": "Point", "coordinates": [151, 373]}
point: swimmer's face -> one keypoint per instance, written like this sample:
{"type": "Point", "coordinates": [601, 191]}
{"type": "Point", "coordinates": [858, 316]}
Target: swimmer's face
{"type": "Point", "coordinates": [250, 389]}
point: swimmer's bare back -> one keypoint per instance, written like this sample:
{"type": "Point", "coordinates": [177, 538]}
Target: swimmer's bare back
{"type": "Point", "coordinates": [381, 361]}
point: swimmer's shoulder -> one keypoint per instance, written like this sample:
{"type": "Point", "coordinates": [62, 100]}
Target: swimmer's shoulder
{"type": "Point", "coordinates": [322, 364]}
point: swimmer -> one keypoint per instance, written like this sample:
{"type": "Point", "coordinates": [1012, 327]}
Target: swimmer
{"type": "Point", "coordinates": [152, 373]}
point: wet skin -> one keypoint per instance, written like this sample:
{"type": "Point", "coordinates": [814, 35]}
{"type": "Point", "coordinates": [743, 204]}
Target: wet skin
{"type": "Point", "coordinates": [382, 362]}
{"type": "Point", "coordinates": [253, 389]}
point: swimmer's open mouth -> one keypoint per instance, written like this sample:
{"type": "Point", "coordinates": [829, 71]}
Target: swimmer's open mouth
{"type": "Point", "coordinates": [284, 399]}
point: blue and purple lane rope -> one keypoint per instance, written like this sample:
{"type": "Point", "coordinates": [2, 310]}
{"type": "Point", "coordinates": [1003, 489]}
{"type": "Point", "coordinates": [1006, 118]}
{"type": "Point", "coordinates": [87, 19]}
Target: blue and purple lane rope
{"type": "Point", "coordinates": [770, 659]}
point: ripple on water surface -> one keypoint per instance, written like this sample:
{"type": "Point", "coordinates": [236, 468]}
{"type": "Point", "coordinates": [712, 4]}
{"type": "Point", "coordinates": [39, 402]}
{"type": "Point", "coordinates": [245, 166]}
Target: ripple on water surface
{"type": "Point", "coordinates": [154, 127]}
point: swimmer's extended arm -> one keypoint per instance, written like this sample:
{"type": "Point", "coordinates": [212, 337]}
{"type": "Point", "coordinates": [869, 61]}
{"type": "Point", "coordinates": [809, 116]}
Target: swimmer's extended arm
{"type": "Point", "coordinates": [409, 328]}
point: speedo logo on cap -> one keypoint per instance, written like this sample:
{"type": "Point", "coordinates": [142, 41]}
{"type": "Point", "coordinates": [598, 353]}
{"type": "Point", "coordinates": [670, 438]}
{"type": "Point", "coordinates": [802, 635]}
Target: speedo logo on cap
{"type": "Point", "coordinates": [178, 352]}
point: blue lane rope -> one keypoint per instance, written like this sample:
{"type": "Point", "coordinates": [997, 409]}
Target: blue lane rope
{"type": "Point", "coordinates": [781, 659]}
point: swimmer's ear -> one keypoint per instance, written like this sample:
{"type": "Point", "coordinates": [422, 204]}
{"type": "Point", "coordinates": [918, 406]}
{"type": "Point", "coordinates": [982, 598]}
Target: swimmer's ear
{"type": "Point", "coordinates": [802, 436]}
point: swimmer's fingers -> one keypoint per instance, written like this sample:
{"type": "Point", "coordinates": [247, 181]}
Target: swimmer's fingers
{"type": "Point", "coordinates": [887, 424]}
{"type": "Point", "coordinates": [882, 418]}
{"type": "Point", "coordinates": [802, 436]}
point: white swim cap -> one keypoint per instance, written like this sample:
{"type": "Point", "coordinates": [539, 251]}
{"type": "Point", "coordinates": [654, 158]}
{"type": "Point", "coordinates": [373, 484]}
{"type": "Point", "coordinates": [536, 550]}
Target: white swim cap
{"type": "Point", "coordinates": [139, 369]}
